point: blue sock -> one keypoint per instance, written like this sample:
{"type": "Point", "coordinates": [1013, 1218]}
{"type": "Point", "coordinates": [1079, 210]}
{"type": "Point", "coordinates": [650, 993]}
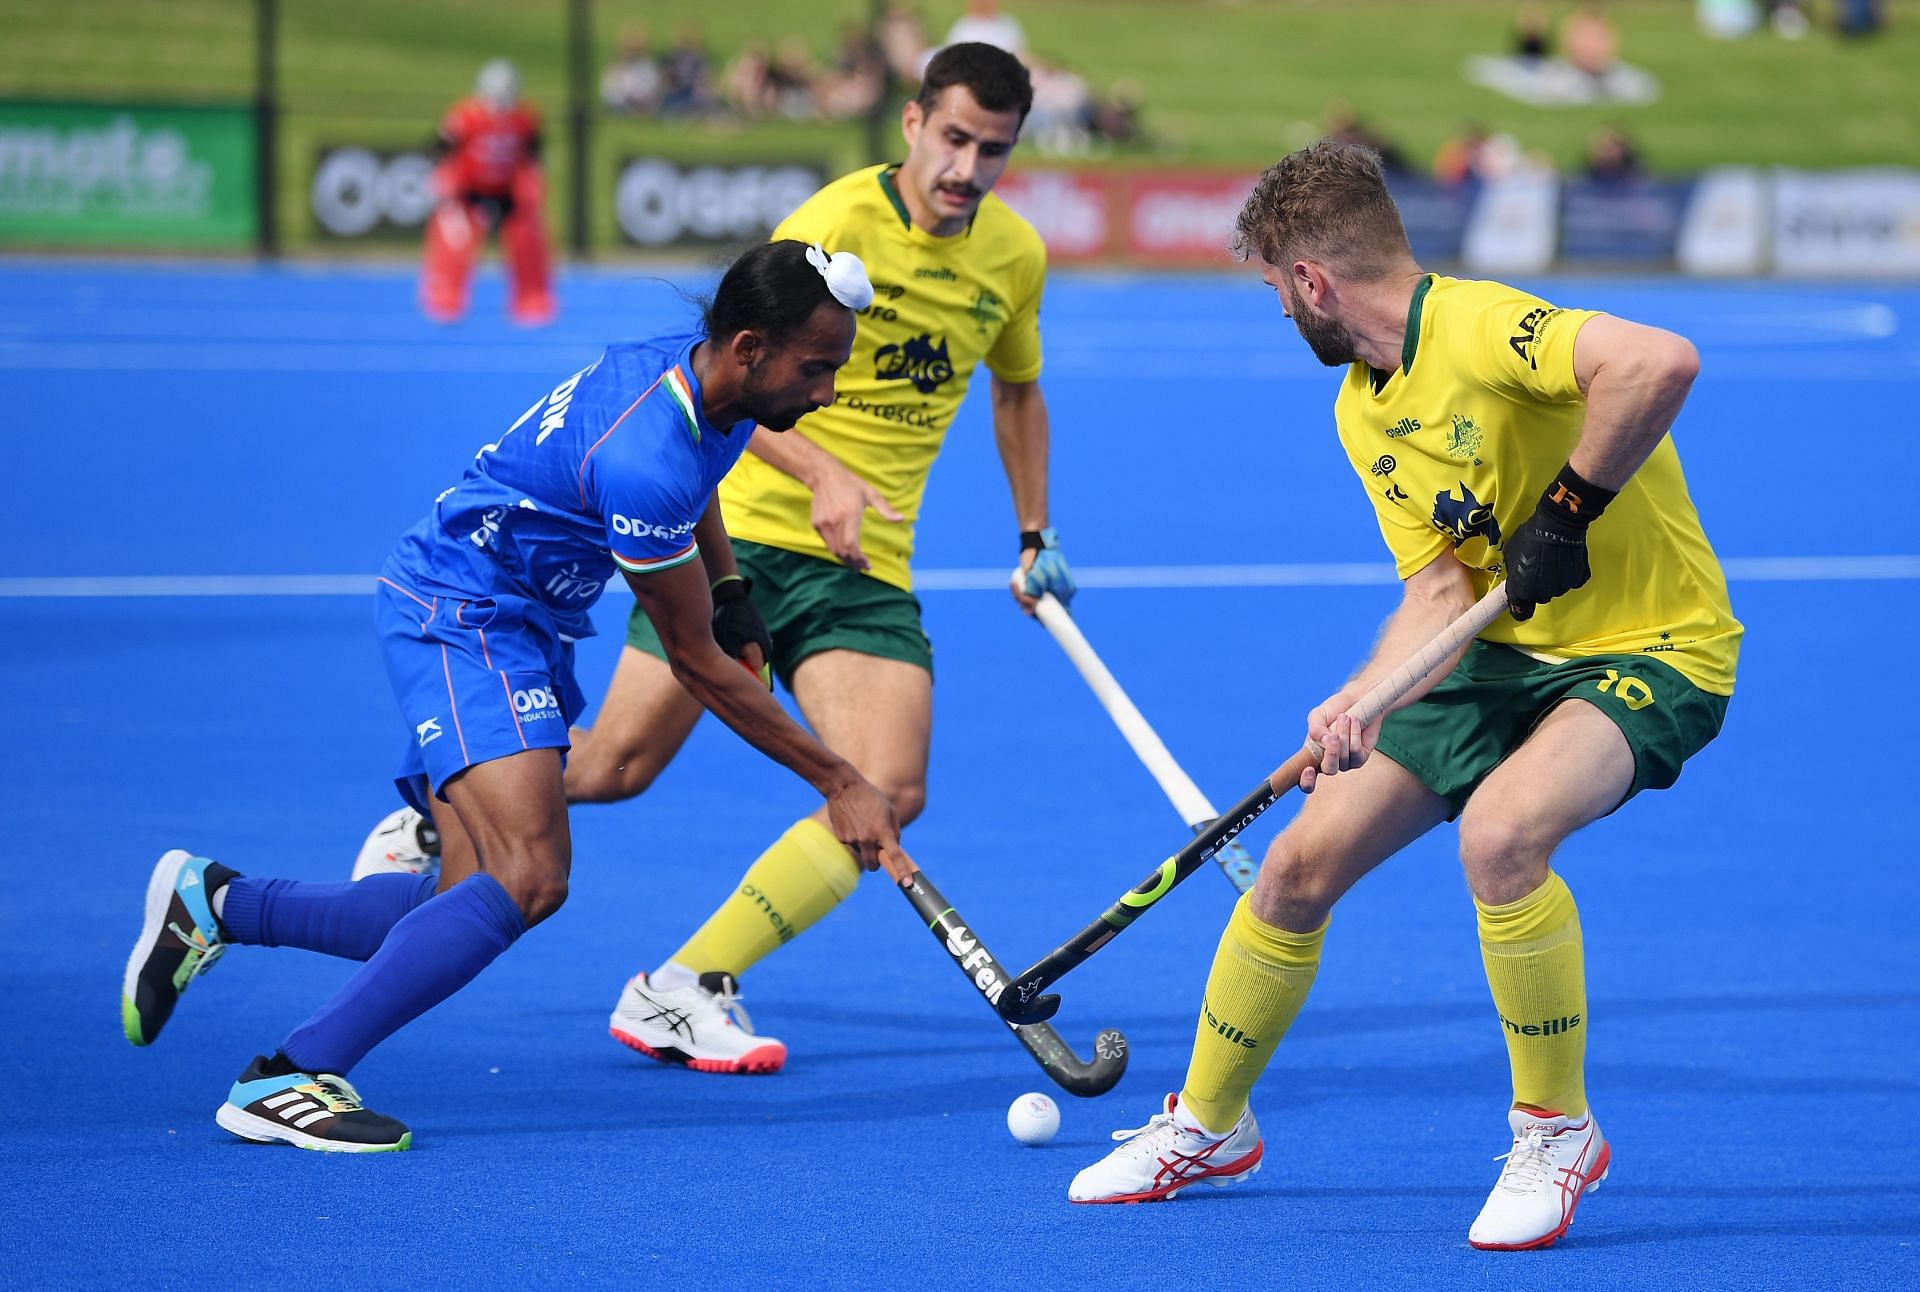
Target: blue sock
{"type": "Point", "coordinates": [349, 920]}
{"type": "Point", "coordinates": [433, 952]}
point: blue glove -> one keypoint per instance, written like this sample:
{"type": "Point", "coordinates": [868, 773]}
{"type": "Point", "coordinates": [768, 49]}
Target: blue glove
{"type": "Point", "coordinates": [1049, 572]}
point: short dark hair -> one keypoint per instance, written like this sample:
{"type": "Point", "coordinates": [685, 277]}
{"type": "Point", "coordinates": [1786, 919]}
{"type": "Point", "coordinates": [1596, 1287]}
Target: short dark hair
{"type": "Point", "coordinates": [1327, 202]}
{"type": "Point", "coordinates": [771, 289]}
{"type": "Point", "coordinates": [997, 80]}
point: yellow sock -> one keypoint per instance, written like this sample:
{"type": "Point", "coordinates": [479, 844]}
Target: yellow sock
{"type": "Point", "coordinates": [1536, 967]}
{"type": "Point", "coordinates": [1261, 975]}
{"type": "Point", "coordinates": [803, 875]}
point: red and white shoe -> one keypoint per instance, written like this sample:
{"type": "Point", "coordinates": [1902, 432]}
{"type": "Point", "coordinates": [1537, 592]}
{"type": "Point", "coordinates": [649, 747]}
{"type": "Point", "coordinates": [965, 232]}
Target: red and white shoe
{"type": "Point", "coordinates": [702, 1026]}
{"type": "Point", "coordinates": [1554, 1162]}
{"type": "Point", "coordinates": [1172, 1151]}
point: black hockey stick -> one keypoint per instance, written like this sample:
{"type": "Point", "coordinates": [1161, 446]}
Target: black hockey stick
{"type": "Point", "coordinates": [1055, 1057]}
{"type": "Point", "coordinates": [1025, 1004]}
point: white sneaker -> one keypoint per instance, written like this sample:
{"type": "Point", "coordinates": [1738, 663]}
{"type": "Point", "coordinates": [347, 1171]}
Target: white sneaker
{"type": "Point", "coordinates": [1154, 1162]}
{"type": "Point", "coordinates": [1552, 1164]}
{"type": "Point", "coordinates": [404, 843]}
{"type": "Point", "coordinates": [701, 1027]}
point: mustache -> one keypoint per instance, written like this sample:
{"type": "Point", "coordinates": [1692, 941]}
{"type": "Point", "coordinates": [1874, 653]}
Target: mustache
{"type": "Point", "coordinates": [964, 190]}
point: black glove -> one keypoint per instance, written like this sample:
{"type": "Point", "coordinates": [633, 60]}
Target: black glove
{"type": "Point", "coordinates": [1547, 556]}
{"type": "Point", "coordinates": [737, 625]}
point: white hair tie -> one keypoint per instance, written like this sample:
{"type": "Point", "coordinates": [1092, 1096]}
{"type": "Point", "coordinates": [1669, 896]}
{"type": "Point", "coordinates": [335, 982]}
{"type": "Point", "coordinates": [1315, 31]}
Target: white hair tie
{"type": "Point", "coordinates": [846, 276]}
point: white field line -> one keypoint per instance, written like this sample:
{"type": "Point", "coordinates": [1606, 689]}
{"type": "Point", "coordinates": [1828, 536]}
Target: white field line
{"type": "Point", "coordinates": [1761, 569]}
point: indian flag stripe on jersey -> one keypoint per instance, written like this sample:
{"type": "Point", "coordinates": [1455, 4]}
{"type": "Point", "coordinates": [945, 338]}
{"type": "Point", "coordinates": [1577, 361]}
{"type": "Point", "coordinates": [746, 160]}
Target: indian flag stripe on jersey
{"type": "Point", "coordinates": [676, 383]}
{"type": "Point", "coordinates": [667, 562]}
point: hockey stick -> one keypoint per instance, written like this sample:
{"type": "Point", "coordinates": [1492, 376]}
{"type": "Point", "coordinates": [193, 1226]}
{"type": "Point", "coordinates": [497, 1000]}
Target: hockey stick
{"type": "Point", "coordinates": [1055, 1057]}
{"type": "Point", "coordinates": [1192, 805]}
{"type": "Point", "coordinates": [1025, 1004]}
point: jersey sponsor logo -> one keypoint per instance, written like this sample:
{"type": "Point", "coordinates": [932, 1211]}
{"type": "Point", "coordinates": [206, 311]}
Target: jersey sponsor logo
{"type": "Point", "coordinates": [429, 731]}
{"type": "Point", "coordinates": [884, 296]}
{"type": "Point", "coordinates": [1532, 330]}
{"type": "Point", "coordinates": [1465, 517]}
{"type": "Point", "coordinates": [557, 404]}
{"type": "Point", "coordinates": [637, 528]}
{"type": "Point", "coordinates": [570, 585]}
{"type": "Point", "coordinates": [1463, 441]}
{"type": "Point", "coordinates": [535, 703]}
{"type": "Point", "coordinates": [1546, 1027]}
{"type": "Point", "coordinates": [942, 274]}
{"type": "Point", "coordinates": [915, 415]}
{"type": "Point", "coordinates": [919, 361]}
{"type": "Point", "coordinates": [1385, 466]}
{"type": "Point", "coordinates": [985, 310]}
{"type": "Point", "coordinates": [1401, 429]}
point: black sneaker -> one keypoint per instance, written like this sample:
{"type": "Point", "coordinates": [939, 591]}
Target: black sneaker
{"type": "Point", "coordinates": [179, 941]}
{"type": "Point", "coordinates": [315, 1110]}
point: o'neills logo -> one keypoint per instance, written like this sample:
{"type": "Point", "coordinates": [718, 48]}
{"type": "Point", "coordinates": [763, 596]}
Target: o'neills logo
{"type": "Point", "coordinates": [1552, 1027]}
{"type": "Point", "coordinates": [1226, 1029]}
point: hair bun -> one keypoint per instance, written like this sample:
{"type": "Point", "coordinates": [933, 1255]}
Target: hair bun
{"type": "Point", "coordinates": [846, 276]}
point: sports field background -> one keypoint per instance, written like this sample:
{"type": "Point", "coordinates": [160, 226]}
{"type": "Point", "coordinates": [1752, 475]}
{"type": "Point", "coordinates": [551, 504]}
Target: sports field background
{"type": "Point", "coordinates": [1224, 82]}
{"type": "Point", "coordinates": [1752, 963]}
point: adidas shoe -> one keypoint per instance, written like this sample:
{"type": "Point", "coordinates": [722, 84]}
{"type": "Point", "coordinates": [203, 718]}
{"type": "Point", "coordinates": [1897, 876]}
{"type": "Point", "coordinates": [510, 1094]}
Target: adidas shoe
{"type": "Point", "coordinates": [179, 941]}
{"type": "Point", "coordinates": [404, 843]}
{"type": "Point", "coordinates": [1553, 1163]}
{"type": "Point", "coordinates": [702, 1027]}
{"type": "Point", "coordinates": [309, 1110]}
{"type": "Point", "coordinates": [1172, 1151]}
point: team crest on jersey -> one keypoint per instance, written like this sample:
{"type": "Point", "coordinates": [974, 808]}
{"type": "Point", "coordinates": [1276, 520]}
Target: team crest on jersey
{"type": "Point", "coordinates": [1465, 517]}
{"type": "Point", "coordinates": [1463, 441]}
{"type": "Point", "coordinates": [920, 361]}
{"type": "Point", "coordinates": [985, 311]}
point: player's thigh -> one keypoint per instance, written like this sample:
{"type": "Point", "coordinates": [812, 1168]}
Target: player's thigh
{"type": "Point", "coordinates": [1573, 768]}
{"type": "Point", "coordinates": [1349, 824]}
{"type": "Point", "coordinates": [641, 725]}
{"type": "Point", "coordinates": [514, 810]}
{"type": "Point", "coordinates": [874, 712]}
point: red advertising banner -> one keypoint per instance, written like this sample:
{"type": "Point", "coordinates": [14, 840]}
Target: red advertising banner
{"type": "Point", "coordinates": [1145, 217]}
{"type": "Point", "coordinates": [1071, 209]}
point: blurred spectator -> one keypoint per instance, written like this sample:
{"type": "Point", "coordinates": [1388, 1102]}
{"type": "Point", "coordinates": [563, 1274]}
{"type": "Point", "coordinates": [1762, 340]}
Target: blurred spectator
{"type": "Point", "coordinates": [1116, 118]}
{"type": "Point", "coordinates": [747, 84]}
{"type": "Point", "coordinates": [1590, 43]}
{"type": "Point", "coordinates": [1789, 18]}
{"type": "Point", "coordinates": [903, 43]}
{"type": "Point", "coordinates": [983, 21]}
{"type": "Point", "coordinates": [1612, 158]}
{"type": "Point", "coordinates": [634, 82]}
{"type": "Point", "coordinates": [1060, 122]}
{"type": "Point", "coordinates": [1727, 19]}
{"type": "Point", "coordinates": [1859, 17]}
{"type": "Point", "coordinates": [790, 77]}
{"type": "Point", "coordinates": [1532, 32]}
{"type": "Point", "coordinates": [858, 81]}
{"type": "Point", "coordinates": [1345, 126]}
{"type": "Point", "coordinates": [1478, 156]}
{"type": "Point", "coordinates": [687, 76]}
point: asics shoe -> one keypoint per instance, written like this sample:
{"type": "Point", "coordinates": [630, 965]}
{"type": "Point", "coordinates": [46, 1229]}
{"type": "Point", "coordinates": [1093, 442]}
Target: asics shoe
{"type": "Point", "coordinates": [1172, 1151]}
{"type": "Point", "coordinates": [1554, 1162]}
{"type": "Point", "coordinates": [404, 843]}
{"type": "Point", "coordinates": [702, 1027]}
{"type": "Point", "coordinates": [308, 1109]}
{"type": "Point", "coordinates": [179, 941]}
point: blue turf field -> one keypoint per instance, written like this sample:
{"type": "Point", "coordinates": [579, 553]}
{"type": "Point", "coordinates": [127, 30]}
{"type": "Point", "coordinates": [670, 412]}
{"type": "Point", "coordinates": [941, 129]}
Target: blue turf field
{"type": "Point", "coordinates": [1752, 966]}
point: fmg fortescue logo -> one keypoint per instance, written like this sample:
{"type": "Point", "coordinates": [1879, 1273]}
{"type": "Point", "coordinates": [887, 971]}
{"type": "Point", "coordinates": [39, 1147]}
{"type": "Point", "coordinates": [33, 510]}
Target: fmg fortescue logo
{"type": "Point", "coordinates": [919, 361]}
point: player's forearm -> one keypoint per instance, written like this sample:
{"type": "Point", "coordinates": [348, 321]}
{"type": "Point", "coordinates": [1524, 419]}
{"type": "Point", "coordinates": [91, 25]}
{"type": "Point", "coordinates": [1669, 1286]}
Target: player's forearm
{"type": "Point", "coordinates": [716, 549]}
{"type": "Point", "coordinates": [1632, 401]}
{"type": "Point", "coordinates": [1430, 600]}
{"type": "Point", "coordinates": [1021, 432]}
{"type": "Point", "coordinates": [793, 453]}
{"type": "Point", "coordinates": [733, 696]}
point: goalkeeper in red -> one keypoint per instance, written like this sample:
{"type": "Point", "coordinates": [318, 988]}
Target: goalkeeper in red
{"type": "Point", "coordinates": [1496, 436]}
{"type": "Point", "coordinates": [489, 178]}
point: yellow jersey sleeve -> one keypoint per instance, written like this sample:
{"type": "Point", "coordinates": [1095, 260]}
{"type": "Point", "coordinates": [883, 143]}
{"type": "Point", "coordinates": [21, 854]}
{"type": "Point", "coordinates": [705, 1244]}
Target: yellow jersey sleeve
{"type": "Point", "coordinates": [1522, 347]}
{"type": "Point", "coordinates": [1016, 355]}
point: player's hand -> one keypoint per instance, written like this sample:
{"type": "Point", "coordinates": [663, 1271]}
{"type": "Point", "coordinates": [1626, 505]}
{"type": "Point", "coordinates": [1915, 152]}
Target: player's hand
{"type": "Point", "coordinates": [1344, 744]}
{"type": "Point", "coordinates": [1043, 568]}
{"type": "Point", "coordinates": [1547, 555]}
{"type": "Point", "coordinates": [861, 818]}
{"type": "Point", "coordinates": [840, 502]}
{"type": "Point", "coordinates": [739, 630]}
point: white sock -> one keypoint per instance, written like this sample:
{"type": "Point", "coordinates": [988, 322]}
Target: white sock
{"type": "Point", "coordinates": [672, 976]}
{"type": "Point", "coordinates": [219, 902]}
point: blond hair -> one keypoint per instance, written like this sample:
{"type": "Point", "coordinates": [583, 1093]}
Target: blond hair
{"type": "Point", "coordinates": [1327, 203]}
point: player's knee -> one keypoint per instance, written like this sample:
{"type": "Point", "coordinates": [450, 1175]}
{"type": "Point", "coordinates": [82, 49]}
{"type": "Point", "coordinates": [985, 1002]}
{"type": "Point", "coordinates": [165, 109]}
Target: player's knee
{"type": "Point", "coordinates": [1292, 892]}
{"type": "Point", "coordinates": [1503, 854]}
{"type": "Point", "coordinates": [591, 779]}
{"type": "Point", "coordinates": [539, 895]}
{"type": "Point", "coordinates": [909, 799]}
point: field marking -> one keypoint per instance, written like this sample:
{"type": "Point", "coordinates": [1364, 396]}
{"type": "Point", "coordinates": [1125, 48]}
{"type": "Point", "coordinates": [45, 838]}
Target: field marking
{"type": "Point", "coordinates": [1751, 569]}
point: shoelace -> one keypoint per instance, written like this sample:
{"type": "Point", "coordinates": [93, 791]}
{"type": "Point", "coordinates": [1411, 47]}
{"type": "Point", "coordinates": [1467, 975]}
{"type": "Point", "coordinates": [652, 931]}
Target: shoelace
{"type": "Point", "coordinates": [1528, 1165]}
{"type": "Point", "coordinates": [729, 1003]}
{"type": "Point", "coordinates": [1148, 1139]}
{"type": "Point", "coordinates": [200, 953]}
{"type": "Point", "coordinates": [340, 1097]}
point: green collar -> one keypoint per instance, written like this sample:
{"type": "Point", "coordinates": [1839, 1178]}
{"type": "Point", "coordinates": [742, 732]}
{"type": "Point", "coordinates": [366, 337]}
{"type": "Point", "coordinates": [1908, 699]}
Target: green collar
{"type": "Point", "coordinates": [892, 191]}
{"type": "Point", "coordinates": [1411, 342]}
